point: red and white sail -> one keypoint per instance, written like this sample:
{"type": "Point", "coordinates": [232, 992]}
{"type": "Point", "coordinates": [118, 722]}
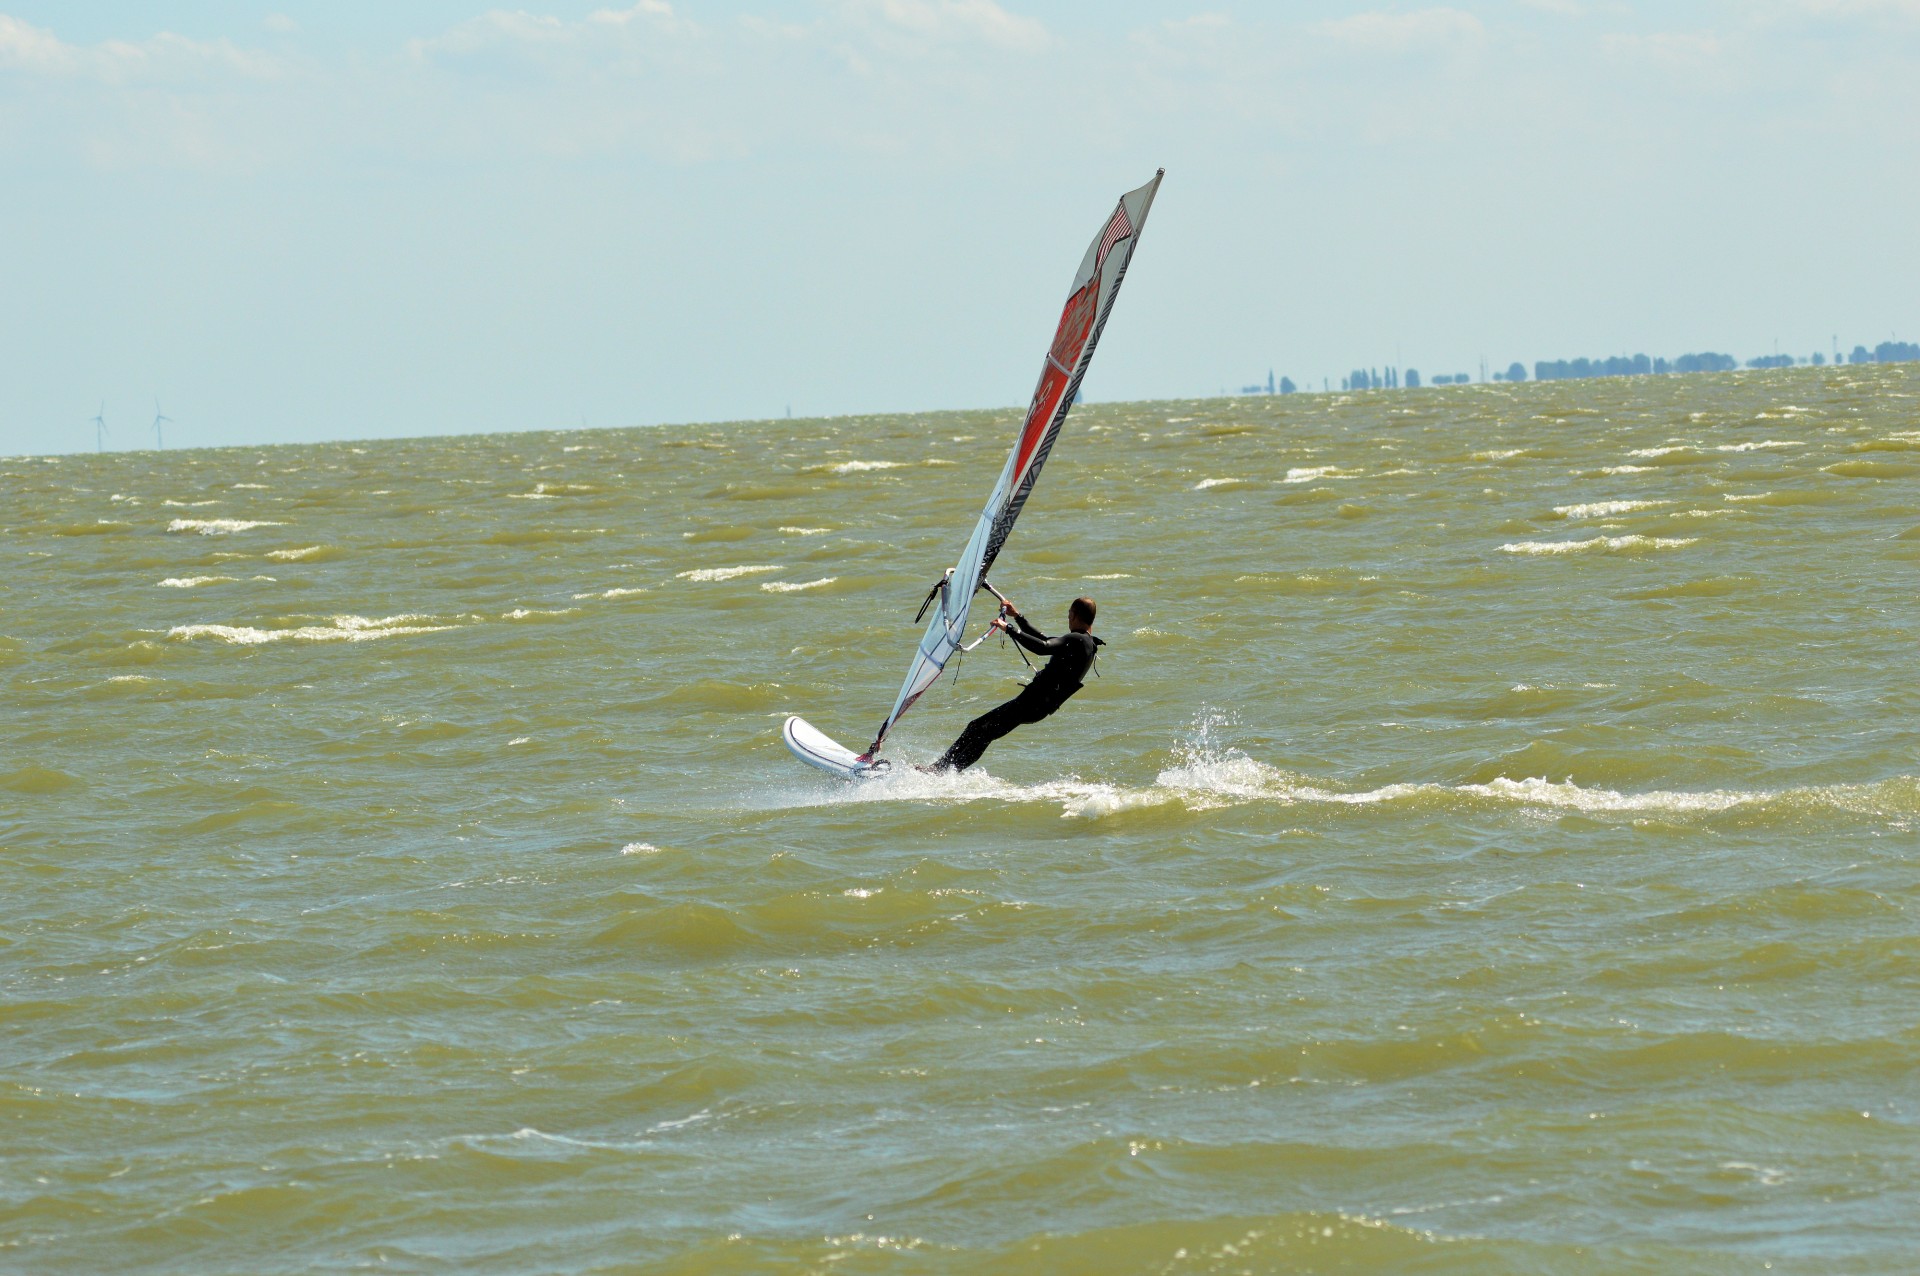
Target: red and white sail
{"type": "Point", "coordinates": [1089, 302]}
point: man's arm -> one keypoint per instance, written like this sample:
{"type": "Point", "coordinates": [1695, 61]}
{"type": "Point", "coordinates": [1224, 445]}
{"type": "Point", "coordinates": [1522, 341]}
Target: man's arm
{"type": "Point", "coordinates": [1032, 639]}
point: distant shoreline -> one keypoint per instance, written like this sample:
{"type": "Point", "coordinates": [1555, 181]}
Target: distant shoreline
{"type": "Point", "coordinates": [1011, 408]}
{"type": "Point", "coordinates": [1584, 369]}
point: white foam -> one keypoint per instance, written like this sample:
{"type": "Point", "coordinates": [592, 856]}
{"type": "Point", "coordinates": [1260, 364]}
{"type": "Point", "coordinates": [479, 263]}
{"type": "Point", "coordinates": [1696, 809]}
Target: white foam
{"type": "Point", "coordinates": [607, 593]}
{"type": "Point", "coordinates": [191, 582]}
{"type": "Point", "coordinates": [1628, 469]}
{"type": "Point", "coordinates": [218, 526]}
{"type": "Point", "coordinates": [806, 531]}
{"type": "Point", "coordinates": [524, 613]}
{"type": "Point", "coordinates": [1110, 576]}
{"type": "Point", "coordinates": [1598, 543]}
{"type": "Point", "coordinates": [729, 573]}
{"type": "Point", "coordinates": [1205, 780]}
{"type": "Point", "coordinates": [1502, 455]}
{"type": "Point", "coordinates": [856, 467]}
{"type": "Point", "coordinates": [1745, 496]}
{"type": "Point", "coordinates": [1605, 509]}
{"type": "Point", "coordinates": [794, 587]}
{"type": "Point", "coordinates": [295, 555]}
{"type": "Point", "coordinates": [1204, 484]}
{"type": "Point", "coordinates": [1659, 451]}
{"type": "Point", "coordinates": [1755, 447]}
{"type": "Point", "coordinates": [1308, 473]}
{"type": "Point", "coordinates": [343, 629]}
{"type": "Point", "coordinates": [251, 487]}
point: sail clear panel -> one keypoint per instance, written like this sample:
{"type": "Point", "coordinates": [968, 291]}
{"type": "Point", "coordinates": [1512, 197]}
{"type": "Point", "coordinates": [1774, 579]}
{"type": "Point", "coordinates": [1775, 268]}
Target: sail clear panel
{"type": "Point", "coordinates": [1082, 319]}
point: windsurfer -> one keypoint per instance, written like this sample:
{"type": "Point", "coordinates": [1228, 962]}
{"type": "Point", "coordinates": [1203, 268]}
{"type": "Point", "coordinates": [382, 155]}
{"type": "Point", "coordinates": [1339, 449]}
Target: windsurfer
{"type": "Point", "coordinates": [1069, 656]}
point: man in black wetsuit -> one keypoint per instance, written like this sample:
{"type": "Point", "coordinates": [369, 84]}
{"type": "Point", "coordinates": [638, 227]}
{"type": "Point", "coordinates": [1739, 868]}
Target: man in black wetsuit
{"type": "Point", "coordinates": [1069, 657]}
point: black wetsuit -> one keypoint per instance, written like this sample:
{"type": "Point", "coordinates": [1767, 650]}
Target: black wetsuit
{"type": "Point", "coordinates": [1068, 658]}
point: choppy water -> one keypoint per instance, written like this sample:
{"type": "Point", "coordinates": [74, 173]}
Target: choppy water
{"type": "Point", "coordinates": [1491, 847]}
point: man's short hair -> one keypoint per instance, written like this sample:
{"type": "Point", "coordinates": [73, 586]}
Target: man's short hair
{"type": "Point", "coordinates": [1082, 610]}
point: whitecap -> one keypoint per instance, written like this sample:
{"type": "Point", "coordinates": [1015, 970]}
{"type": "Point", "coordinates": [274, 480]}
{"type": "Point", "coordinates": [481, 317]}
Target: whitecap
{"type": "Point", "coordinates": [1628, 469]}
{"type": "Point", "coordinates": [854, 467]}
{"type": "Point", "coordinates": [1603, 509]}
{"type": "Point", "coordinates": [1598, 543]}
{"type": "Point", "coordinates": [295, 555]}
{"type": "Point", "coordinates": [728, 573]}
{"type": "Point", "coordinates": [806, 531]}
{"type": "Point", "coordinates": [190, 582]}
{"type": "Point", "coordinates": [794, 587]}
{"type": "Point", "coordinates": [1204, 484]}
{"type": "Point", "coordinates": [1308, 473]}
{"type": "Point", "coordinates": [610, 593]}
{"type": "Point", "coordinates": [218, 526]}
{"type": "Point", "coordinates": [1755, 447]}
{"type": "Point", "coordinates": [343, 629]}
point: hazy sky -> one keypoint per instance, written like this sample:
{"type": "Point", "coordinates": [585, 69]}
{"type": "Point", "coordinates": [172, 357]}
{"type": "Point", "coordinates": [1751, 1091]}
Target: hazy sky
{"type": "Point", "coordinates": [360, 217]}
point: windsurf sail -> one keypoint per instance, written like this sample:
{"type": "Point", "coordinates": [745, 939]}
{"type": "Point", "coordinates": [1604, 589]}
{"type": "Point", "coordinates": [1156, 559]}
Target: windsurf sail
{"type": "Point", "coordinates": [1089, 302]}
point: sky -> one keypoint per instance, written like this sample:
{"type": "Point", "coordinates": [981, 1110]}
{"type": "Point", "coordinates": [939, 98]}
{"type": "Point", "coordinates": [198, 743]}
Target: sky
{"type": "Point", "coordinates": [300, 220]}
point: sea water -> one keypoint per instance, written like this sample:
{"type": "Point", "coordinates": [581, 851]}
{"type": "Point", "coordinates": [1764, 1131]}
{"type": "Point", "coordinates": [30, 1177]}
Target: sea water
{"type": "Point", "coordinates": [1490, 846]}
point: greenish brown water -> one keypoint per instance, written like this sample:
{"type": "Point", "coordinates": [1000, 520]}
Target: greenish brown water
{"type": "Point", "coordinates": [1491, 847]}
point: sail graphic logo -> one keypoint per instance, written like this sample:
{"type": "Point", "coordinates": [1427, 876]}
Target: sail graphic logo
{"type": "Point", "coordinates": [1076, 321]}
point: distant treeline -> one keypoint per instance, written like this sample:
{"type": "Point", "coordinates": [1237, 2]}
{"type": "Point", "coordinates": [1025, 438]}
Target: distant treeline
{"type": "Point", "coordinates": [1622, 365]}
{"type": "Point", "coordinates": [1639, 365]}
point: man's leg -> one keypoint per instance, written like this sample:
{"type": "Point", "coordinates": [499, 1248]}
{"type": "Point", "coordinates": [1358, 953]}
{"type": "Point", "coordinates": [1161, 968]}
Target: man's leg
{"type": "Point", "coordinates": [980, 733]}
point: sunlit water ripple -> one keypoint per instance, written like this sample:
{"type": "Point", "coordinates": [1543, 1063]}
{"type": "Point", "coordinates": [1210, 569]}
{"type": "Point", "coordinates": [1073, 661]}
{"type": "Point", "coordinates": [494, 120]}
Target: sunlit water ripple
{"type": "Point", "coordinates": [1490, 847]}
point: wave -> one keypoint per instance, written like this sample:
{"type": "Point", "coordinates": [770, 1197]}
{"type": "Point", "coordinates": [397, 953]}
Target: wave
{"type": "Point", "coordinates": [1598, 543]}
{"type": "Point", "coordinates": [794, 587]}
{"type": "Point", "coordinates": [852, 467]}
{"type": "Point", "coordinates": [1205, 776]}
{"type": "Point", "coordinates": [728, 573]}
{"type": "Point", "coordinates": [1604, 509]}
{"type": "Point", "coordinates": [219, 526]}
{"type": "Point", "coordinates": [1308, 473]}
{"type": "Point", "coordinates": [341, 629]}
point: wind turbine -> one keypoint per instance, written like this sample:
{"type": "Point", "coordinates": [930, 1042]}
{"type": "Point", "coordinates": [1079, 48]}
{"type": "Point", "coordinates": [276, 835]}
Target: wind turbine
{"type": "Point", "coordinates": [100, 428]}
{"type": "Point", "coordinates": [158, 417]}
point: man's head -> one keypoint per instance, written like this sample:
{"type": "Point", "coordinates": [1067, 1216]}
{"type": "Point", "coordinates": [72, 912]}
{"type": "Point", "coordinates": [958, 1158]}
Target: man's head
{"type": "Point", "coordinates": [1080, 613]}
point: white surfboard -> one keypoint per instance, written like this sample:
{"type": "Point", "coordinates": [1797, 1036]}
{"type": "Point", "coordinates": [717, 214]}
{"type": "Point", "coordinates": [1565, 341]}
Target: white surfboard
{"type": "Point", "coordinates": [816, 748]}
